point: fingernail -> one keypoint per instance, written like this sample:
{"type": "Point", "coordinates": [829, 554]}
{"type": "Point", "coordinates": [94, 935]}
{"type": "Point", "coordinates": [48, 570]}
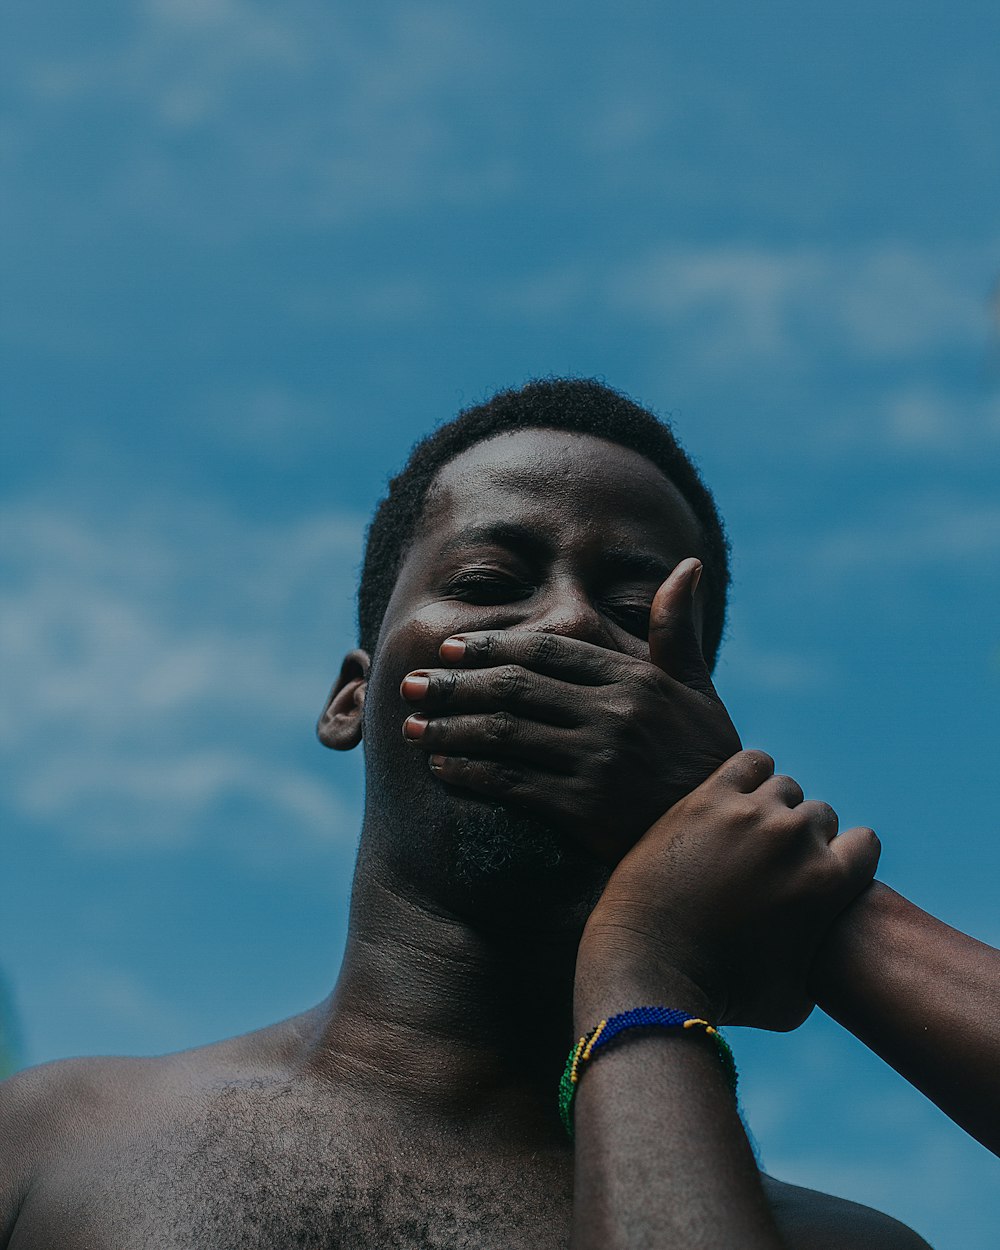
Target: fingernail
{"type": "Point", "coordinates": [452, 649]}
{"type": "Point", "coordinates": [414, 727]}
{"type": "Point", "coordinates": [696, 578]}
{"type": "Point", "coordinates": [437, 761]}
{"type": "Point", "coordinates": [414, 686]}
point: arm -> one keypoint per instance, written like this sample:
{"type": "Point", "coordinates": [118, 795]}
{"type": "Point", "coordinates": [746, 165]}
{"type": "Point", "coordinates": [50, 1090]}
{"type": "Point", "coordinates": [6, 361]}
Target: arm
{"type": "Point", "coordinates": [661, 1157]}
{"type": "Point", "coordinates": [718, 910]}
{"type": "Point", "coordinates": [924, 997]}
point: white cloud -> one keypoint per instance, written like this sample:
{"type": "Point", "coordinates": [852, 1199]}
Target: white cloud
{"type": "Point", "coordinates": [923, 418]}
{"type": "Point", "coordinates": [918, 532]}
{"type": "Point", "coordinates": [901, 299]}
{"type": "Point", "coordinates": [157, 666]}
{"type": "Point", "coordinates": [737, 301]}
{"type": "Point", "coordinates": [221, 119]}
{"type": "Point", "coordinates": [780, 305]}
{"type": "Point", "coordinates": [732, 306]}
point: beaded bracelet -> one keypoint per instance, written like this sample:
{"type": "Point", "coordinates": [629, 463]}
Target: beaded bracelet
{"type": "Point", "coordinates": [593, 1042]}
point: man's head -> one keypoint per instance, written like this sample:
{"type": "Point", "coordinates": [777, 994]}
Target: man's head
{"type": "Point", "coordinates": [574, 405]}
{"type": "Point", "coordinates": [559, 508]}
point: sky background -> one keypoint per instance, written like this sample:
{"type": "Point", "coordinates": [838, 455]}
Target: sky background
{"type": "Point", "coordinates": [249, 254]}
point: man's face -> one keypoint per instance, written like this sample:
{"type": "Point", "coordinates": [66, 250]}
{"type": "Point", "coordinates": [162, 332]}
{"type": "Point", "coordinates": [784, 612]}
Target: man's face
{"type": "Point", "coordinates": [536, 530]}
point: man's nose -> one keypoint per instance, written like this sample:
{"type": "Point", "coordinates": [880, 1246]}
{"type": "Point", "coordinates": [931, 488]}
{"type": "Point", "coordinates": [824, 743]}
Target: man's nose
{"type": "Point", "coordinates": [565, 608]}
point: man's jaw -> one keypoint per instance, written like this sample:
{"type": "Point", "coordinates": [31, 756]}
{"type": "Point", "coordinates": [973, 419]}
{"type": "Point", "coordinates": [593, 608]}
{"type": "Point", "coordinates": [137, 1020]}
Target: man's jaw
{"type": "Point", "coordinates": [492, 863]}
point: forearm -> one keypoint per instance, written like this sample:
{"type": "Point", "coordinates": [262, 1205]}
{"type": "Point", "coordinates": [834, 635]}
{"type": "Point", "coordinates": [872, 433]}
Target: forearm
{"type": "Point", "coordinates": [661, 1155]}
{"type": "Point", "coordinates": [924, 997]}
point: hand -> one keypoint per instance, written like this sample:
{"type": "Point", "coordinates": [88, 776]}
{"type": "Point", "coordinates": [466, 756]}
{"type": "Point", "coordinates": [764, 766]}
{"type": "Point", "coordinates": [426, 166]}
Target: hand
{"type": "Point", "coordinates": [728, 896]}
{"type": "Point", "coordinates": [598, 742]}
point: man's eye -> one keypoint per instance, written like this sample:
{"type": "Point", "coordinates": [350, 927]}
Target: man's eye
{"type": "Point", "coordinates": [487, 588]}
{"type": "Point", "coordinates": [633, 617]}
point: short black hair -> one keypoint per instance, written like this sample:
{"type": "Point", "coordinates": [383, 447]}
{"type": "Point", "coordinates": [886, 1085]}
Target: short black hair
{"type": "Point", "coordinates": [577, 405]}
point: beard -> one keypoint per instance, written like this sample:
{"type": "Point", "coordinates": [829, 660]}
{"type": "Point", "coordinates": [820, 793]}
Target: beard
{"type": "Point", "coordinates": [489, 862]}
{"type": "Point", "coordinates": [509, 863]}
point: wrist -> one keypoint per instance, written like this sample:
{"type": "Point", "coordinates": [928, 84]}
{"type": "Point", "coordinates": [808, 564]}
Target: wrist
{"type": "Point", "coordinates": [607, 983]}
{"type": "Point", "coordinates": [858, 932]}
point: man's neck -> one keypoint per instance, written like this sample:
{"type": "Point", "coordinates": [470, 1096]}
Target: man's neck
{"type": "Point", "coordinates": [446, 1017]}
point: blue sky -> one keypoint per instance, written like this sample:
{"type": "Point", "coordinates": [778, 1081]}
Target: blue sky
{"type": "Point", "coordinates": [250, 255]}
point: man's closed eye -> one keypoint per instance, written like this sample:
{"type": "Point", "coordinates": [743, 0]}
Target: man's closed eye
{"type": "Point", "coordinates": [488, 586]}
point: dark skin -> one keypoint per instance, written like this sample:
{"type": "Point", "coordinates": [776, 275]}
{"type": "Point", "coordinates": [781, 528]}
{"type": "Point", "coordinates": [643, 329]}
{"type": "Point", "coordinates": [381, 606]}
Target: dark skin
{"type": "Point", "coordinates": [924, 997]}
{"type": "Point", "coordinates": [904, 982]}
{"type": "Point", "coordinates": [415, 1107]}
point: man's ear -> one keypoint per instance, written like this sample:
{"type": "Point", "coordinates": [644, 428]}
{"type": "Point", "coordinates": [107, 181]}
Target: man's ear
{"type": "Point", "coordinates": [339, 725]}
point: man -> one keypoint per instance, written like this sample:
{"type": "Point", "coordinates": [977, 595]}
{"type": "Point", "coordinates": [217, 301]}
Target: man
{"type": "Point", "coordinates": [560, 825]}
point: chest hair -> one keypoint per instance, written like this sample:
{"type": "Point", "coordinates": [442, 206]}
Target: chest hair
{"type": "Point", "coordinates": [259, 1169]}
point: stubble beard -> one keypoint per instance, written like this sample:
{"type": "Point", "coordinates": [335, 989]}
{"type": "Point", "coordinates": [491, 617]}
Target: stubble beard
{"type": "Point", "coordinates": [498, 864]}
{"type": "Point", "coordinates": [513, 865]}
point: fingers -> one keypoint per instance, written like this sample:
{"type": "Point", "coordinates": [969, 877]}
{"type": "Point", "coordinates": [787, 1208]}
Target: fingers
{"type": "Point", "coordinates": [811, 813]}
{"type": "Point", "coordinates": [499, 735]}
{"type": "Point", "coordinates": [553, 655]}
{"type": "Point", "coordinates": [505, 781]}
{"type": "Point", "coordinates": [821, 817]}
{"type": "Point", "coordinates": [674, 645]}
{"type": "Point", "coordinates": [508, 686]}
{"type": "Point", "coordinates": [782, 789]}
{"type": "Point", "coordinates": [745, 771]}
{"type": "Point", "coordinates": [857, 852]}
{"type": "Point", "coordinates": [750, 771]}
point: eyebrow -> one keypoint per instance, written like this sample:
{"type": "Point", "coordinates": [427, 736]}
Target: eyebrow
{"type": "Point", "coordinates": [523, 540]}
{"type": "Point", "coordinates": [637, 562]}
{"type": "Point", "coordinates": [509, 534]}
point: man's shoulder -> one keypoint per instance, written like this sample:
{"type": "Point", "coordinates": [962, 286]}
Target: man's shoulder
{"type": "Point", "coordinates": [50, 1106]}
{"type": "Point", "coordinates": [46, 1100]}
{"type": "Point", "coordinates": [43, 1109]}
{"type": "Point", "coordinates": [39, 1102]}
{"type": "Point", "coordinates": [56, 1117]}
{"type": "Point", "coordinates": [821, 1221]}
{"type": "Point", "coordinates": [40, 1110]}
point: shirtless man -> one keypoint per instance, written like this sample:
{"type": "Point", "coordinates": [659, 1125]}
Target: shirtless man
{"type": "Point", "coordinates": [560, 823]}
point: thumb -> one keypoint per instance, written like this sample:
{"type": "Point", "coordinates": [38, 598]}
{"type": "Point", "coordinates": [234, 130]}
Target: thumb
{"type": "Point", "coordinates": [674, 645]}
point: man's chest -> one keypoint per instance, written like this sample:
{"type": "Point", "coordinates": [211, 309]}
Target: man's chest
{"type": "Point", "coordinates": [300, 1184]}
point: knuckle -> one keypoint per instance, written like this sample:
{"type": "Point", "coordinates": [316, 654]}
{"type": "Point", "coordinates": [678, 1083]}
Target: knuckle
{"type": "Point", "coordinates": [759, 761]}
{"type": "Point", "coordinates": [508, 680]}
{"type": "Point", "coordinates": [744, 811]}
{"type": "Point", "coordinates": [791, 825]}
{"type": "Point", "coordinates": [543, 648]}
{"type": "Point", "coordinates": [501, 727]}
{"type": "Point", "coordinates": [870, 845]}
{"type": "Point", "coordinates": [503, 778]}
{"type": "Point", "coordinates": [603, 761]}
{"type": "Point", "coordinates": [826, 814]}
{"type": "Point", "coordinates": [647, 677]}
